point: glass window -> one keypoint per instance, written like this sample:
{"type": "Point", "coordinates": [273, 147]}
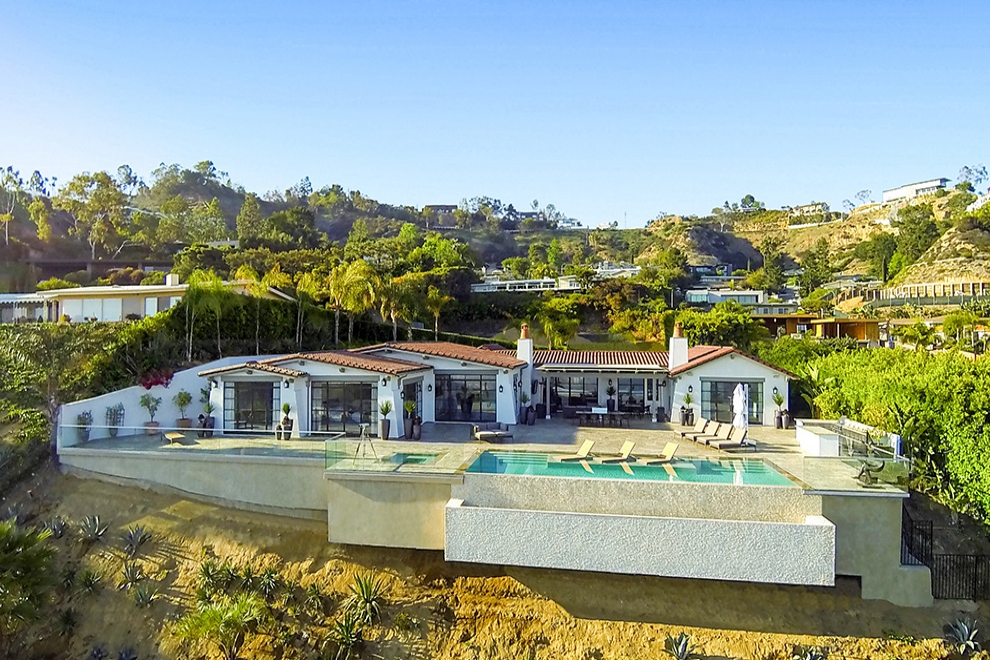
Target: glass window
{"type": "Point", "coordinates": [344, 407]}
{"type": "Point", "coordinates": [573, 392]}
{"type": "Point", "coordinates": [716, 400]}
{"type": "Point", "coordinates": [631, 394]}
{"type": "Point", "coordinates": [465, 397]}
{"type": "Point", "coordinates": [250, 405]}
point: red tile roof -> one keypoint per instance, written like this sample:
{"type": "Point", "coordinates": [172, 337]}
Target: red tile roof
{"type": "Point", "coordinates": [501, 359]}
{"type": "Point", "coordinates": [376, 363]}
{"type": "Point", "coordinates": [260, 366]}
{"type": "Point", "coordinates": [578, 358]}
{"type": "Point", "coordinates": [699, 355]}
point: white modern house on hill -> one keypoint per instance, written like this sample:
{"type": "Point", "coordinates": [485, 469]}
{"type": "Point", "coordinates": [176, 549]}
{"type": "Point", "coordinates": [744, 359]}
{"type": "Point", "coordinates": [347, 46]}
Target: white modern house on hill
{"type": "Point", "coordinates": [912, 190]}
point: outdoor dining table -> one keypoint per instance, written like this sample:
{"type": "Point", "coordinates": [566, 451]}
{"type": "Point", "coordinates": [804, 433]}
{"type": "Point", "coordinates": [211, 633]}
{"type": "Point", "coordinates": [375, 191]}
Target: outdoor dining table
{"type": "Point", "coordinates": [592, 418]}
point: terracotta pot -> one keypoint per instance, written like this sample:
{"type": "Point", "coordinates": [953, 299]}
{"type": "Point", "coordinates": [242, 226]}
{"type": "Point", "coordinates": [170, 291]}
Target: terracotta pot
{"type": "Point", "coordinates": [151, 428]}
{"type": "Point", "coordinates": [183, 423]}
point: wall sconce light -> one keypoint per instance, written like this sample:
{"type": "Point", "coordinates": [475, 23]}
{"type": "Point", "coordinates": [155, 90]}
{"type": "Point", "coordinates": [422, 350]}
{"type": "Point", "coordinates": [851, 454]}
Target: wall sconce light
{"type": "Point", "coordinates": [384, 382]}
{"type": "Point", "coordinates": [342, 370]}
{"type": "Point", "coordinates": [402, 395]}
{"type": "Point", "coordinates": [505, 371]}
{"type": "Point", "coordinates": [429, 388]}
{"type": "Point", "coordinates": [501, 389]}
{"type": "Point", "coordinates": [663, 383]}
{"type": "Point", "coordinates": [690, 388]}
{"type": "Point", "coordinates": [610, 382]}
{"type": "Point", "coordinates": [213, 384]}
{"type": "Point", "coordinates": [285, 384]}
{"type": "Point", "coordinates": [775, 390]}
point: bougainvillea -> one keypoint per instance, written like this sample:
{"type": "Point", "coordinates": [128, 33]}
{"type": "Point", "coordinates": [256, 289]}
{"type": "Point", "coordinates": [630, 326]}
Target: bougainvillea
{"type": "Point", "coordinates": [156, 377]}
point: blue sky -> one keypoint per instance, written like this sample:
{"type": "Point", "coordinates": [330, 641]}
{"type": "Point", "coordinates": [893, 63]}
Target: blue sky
{"type": "Point", "coordinates": [611, 111]}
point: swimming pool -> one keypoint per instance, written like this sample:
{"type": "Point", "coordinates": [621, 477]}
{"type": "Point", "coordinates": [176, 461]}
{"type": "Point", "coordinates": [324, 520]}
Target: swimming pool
{"type": "Point", "coordinates": [737, 471]}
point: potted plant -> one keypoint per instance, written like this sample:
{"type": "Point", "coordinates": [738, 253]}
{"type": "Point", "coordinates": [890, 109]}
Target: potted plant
{"type": "Point", "coordinates": [785, 418]}
{"type": "Point", "coordinates": [530, 416]}
{"type": "Point", "coordinates": [385, 426]}
{"type": "Point", "coordinates": [524, 406]}
{"type": "Point", "coordinates": [778, 400]}
{"type": "Point", "coordinates": [182, 400]}
{"type": "Point", "coordinates": [687, 413]}
{"type": "Point", "coordinates": [407, 422]}
{"type": "Point", "coordinates": [209, 422]}
{"type": "Point", "coordinates": [115, 418]}
{"type": "Point", "coordinates": [150, 403]}
{"type": "Point", "coordinates": [610, 392]}
{"type": "Point", "coordinates": [84, 420]}
{"type": "Point", "coordinates": [286, 422]}
{"type": "Point", "coordinates": [417, 428]}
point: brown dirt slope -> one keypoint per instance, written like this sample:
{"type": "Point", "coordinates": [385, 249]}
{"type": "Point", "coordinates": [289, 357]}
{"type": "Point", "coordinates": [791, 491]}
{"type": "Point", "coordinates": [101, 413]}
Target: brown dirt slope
{"type": "Point", "coordinates": [435, 610]}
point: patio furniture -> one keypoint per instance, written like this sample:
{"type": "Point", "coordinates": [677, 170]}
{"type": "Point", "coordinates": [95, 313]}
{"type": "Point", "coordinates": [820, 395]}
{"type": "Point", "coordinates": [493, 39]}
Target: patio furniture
{"type": "Point", "coordinates": [699, 428]}
{"type": "Point", "coordinates": [625, 454]}
{"type": "Point", "coordinates": [173, 437]}
{"type": "Point", "coordinates": [737, 440]}
{"type": "Point", "coordinates": [721, 434]}
{"type": "Point", "coordinates": [668, 454]}
{"type": "Point", "coordinates": [583, 453]}
{"type": "Point", "coordinates": [490, 432]}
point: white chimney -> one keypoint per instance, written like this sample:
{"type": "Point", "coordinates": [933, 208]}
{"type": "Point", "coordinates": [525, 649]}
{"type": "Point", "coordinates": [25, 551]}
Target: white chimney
{"type": "Point", "coordinates": [524, 352]}
{"type": "Point", "coordinates": [171, 279]}
{"type": "Point", "coordinates": [678, 351]}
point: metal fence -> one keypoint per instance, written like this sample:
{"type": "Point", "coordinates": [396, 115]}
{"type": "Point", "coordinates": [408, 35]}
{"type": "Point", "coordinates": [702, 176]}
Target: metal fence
{"type": "Point", "coordinates": [954, 576]}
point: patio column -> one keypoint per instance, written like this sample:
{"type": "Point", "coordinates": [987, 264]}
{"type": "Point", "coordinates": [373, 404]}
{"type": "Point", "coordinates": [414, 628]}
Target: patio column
{"type": "Point", "coordinates": [546, 394]}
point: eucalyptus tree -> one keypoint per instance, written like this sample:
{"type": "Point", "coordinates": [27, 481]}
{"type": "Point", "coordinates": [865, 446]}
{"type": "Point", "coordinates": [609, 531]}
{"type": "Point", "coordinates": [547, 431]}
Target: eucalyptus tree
{"type": "Point", "coordinates": [97, 206]}
{"type": "Point", "coordinates": [11, 195]}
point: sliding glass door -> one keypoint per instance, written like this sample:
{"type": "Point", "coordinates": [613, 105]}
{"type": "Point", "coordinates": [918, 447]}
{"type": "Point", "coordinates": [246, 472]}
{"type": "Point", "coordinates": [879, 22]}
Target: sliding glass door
{"type": "Point", "coordinates": [465, 397]}
{"type": "Point", "coordinates": [250, 405]}
{"type": "Point", "coordinates": [344, 407]}
{"type": "Point", "coordinates": [716, 400]}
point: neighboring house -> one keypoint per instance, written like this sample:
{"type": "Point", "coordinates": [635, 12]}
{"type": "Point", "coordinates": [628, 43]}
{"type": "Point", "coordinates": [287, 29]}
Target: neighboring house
{"type": "Point", "coordinates": [604, 271]}
{"type": "Point", "coordinates": [980, 202]}
{"type": "Point", "coordinates": [441, 209]}
{"type": "Point", "coordinates": [815, 208]}
{"type": "Point", "coordinates": [105, 303]}
{"type": "Point", "coordinates": [912, 190]}
{"type": "Point", "coordinates": [866, 331]}
{"type": "Point", "coordinates": [787, 323]}
{"type": "Point", "coordinates": [747, 297]}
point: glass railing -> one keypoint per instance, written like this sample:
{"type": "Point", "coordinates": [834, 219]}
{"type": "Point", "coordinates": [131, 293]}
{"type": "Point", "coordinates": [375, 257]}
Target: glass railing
{"type": "Point", "coordinates": [392, 456]}
{"type": "Point", "coordinates": [854, 473]}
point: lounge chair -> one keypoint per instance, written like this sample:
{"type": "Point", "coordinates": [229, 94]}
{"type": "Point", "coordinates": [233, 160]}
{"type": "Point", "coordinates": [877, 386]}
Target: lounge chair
{"type": "Point", "coordinates": [699, 427]}
{"type": "Point", "coordinates": [583, 453]}
{"type": "Point", "coordinates": [737, 440]}
{"type": "Point", "coordinates": [625, 454]}
{"type": "Point", "coordinates": [721, 434]}
{"type": "Point", "coordinates": [668, 453]}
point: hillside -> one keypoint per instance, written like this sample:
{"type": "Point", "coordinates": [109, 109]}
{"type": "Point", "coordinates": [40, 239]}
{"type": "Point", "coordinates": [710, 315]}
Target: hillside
{"type": "Point", "coordinates": [434, 609]}
{"type": "Point", "coordinates": [958, 255]}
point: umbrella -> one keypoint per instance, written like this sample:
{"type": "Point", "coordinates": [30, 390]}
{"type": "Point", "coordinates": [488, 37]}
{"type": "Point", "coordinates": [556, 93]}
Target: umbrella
{"type": "Point", "coordinates": [740, 406]}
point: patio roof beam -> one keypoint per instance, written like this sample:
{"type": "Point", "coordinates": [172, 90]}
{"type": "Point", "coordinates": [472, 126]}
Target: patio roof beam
{"type": "Point", "coordinates": [602, 370]}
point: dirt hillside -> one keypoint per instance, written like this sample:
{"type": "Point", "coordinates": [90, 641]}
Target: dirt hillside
{"type": "Point", "coordinates": [435, 610]}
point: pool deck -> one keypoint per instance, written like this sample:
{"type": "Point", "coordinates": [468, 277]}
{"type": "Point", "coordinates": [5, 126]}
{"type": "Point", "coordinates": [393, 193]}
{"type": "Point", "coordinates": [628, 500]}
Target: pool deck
{"type": "Point", "coordinates": [456, 450]}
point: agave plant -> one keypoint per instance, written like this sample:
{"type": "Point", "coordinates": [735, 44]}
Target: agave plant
{"type": "Point", "coordinates": [811, 653]}
{"type": "Point", "coordinates": [344, 636]}
{"type": "Point", "coordinates": [68, 577]}
{"type": "Point", "coordinates": [92, 528]}
{"type": "Point", "coordinates": [314, 599]}
{"type": "Point", "coordinates": [16, 513]}
{"type": "Point", "coordinates": [56, 526]}
{"type": "Point", "coordinates": [268, 582]}
{"type": "Point", "coordinates": [249, 580]}
{"type": "Point", "coordinates": [134, 538]}
{"type": "Point", "coordinates": [204, 597]}
{"type": "Point", "coordinates": [227, 575]}
{"type": "Point", "coordinates": [66, 622]}
{"type": "Point", "coordinates": [89, 580]}
{"type": "Point", "coordinates": [367, 597]}
{"type": "Point", "coordinates": [132, 575]}
{"type": "Point", "coordinates": [145, 595]}
{"type": "Point", "coordinates": [98, 653]}
{"type": "Point", "coordinates": [680, 647]}
{"type": "Point", "coordinates": [127, 653]}
{"type": "Point", "coordinates": [209, 574]}
{"type": "Point", "coordinates": [961, 636]}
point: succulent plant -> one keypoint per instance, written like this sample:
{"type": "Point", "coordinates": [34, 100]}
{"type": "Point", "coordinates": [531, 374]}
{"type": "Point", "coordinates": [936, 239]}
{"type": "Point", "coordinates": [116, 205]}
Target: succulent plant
{"type": "Point", "coordinates": [66, 622]}
{"type": "Point", "coordinates": [134, 538]}
{"type": "Point", "coordinates": [89, 581]}
{"type": "Point", "coordinates": [92, 528]}
{"type": "Point", "coordinates": [345, 635]}
{"type": "Point", "coordinates": [961, 636]}
{"type": "Point", "coordinates": [249, 579]}
{"type": "Point", "coordinates": [680, 647]}
{"type": "Point", "coordinates": [127, 653]}
{"type": "Point", "coordinates": [268, 582]}
{"type": "Point", "coordinates": [145, 595]}
{"type": "Point", "coordinates": [98, 653]}
{"type": "Point", "coordinates": [132, 575]}
{"type": "Point", "coordinates": [209, 574]}
{"type": "Point", "coordinates": [67, 577]}
{"type": "Point", "coordinates": [314, 599]}
{"type": "Point", "coordinates": [367, 597]}
{"type": "Point", "coordinates": [56, 526]}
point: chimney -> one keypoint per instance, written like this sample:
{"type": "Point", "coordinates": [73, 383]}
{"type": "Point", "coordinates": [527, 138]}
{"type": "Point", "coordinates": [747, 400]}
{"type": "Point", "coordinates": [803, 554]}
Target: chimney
{"type": "Point", "coordinates": [678, 351]}
{"type": "Point", "coordinates": [524, 352]}
{"type": "Point", "coordinates": [171, 279]}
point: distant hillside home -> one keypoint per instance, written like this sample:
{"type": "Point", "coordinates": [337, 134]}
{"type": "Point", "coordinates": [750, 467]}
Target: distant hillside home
{"type": "Point", "coordinates": [980, 202]}
{"type": "Point", "coordinates": [912, 190]}
{"type": "Point", "coordinates": [441, 209]}
{"type": "Point", "coordinates": [815, 208]}
{"type": "Point", "coordinates": [105, 303]}
{"type": "Point", "coordinates": [747, 297]}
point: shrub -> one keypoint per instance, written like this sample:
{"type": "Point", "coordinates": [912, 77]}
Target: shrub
{"type": "Point", "coordinates": [405, 623]}
{"type": "Point", "coordinates": [67, 622]}
{"type": "Point", "coordinates": [98, 653]}
{"type": "Point", "coordinates": [680, 647]}
{"type": "Point", "coordinates": [224, 623]}
{"type": "Point", "coordinates": [209, 575]}
{"type": "Point", "coordinates": [57, 283]}
{"type": "Point", "coordinates": [314, 599]}
{"type": "Point", "coordinates": [961, 637]}
{"type": "Point", "coordinates": [67, 577]}
{"type": "Point", "coordinates": [367, 598]}
{"type": "Point", "coordinates": [127, 653]}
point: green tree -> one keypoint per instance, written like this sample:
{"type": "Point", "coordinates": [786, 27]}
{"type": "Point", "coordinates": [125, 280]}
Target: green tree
{"type": "Point", "coordinates": [817, 265]}
{"type": "Point", "coordinates": [250, 220]}
{"type": "Point", "coordinates": [361, 297]}
{"type": "Point", "coordinates": [436, 300]}
{"type": "Point", "coordinates": [920, 334]}
{"type": "Point", "coordinates": [40, 216]}
{"type": "Point", "coordinates": [224, 623]}
{"type": "Point", "coordinates": [205, 293]}
{"type": "Point", "coordinates": [348, 283]}
{"type": "Point", "coordinates": [25, 578]}
{"type": "Point", "coordinates": [11, 195]}
{"type": "Point", "coordinates": [97, 207]}
{"type": "Point", "coordinates": [388, 298]}
{"type": "Point", "coordinates": [917, 230]}
{"type": "Point", "coordinates": [818, 302]}
{"type": "Point", "coordinates": [727, 324]}
{"type": "Point", "coordinates": [879, 251]}
{"type": "Point", "coordinates": [207, 223]}
{"type": "Point", "coordinates": [958, 324]}
{"type": "Point", "coordinates": [559, 320]}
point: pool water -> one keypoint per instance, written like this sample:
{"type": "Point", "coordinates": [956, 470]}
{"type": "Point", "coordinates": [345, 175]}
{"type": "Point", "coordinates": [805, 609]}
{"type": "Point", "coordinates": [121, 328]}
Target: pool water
{"type": "Point", "coordinates": [412, 459]}
{"type": "Point", "coordinates": [738, 471]}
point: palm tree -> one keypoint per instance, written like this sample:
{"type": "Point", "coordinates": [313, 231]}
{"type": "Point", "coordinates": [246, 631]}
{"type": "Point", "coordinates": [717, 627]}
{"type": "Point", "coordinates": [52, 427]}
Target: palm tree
{"type": "Point", "coordinates": [25, 574]}
{"type": "Point", "coordinates": [349, 285]}
{"type": "Point", "coordinates": [361, 297]}
{"type": "Point", "coordinates": [206, 292]}
{"type": "Point", "coordinates": [435, 302]}
{"type": "Point", "coordinates": [387, 296]}
{"type": "Point", "coordinates": [224, 623]}
{"type": "Point", "coordinates": [309, 288]}
{"type": "Point", "coordinates": [814, 382]}
{"type": "Point", "coordinates": [919, 334]}
{"type": "Point", "coordinates": [245, 273]}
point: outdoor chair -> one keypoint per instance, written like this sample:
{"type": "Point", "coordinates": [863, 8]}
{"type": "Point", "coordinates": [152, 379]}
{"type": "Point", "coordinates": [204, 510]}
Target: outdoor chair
{"type": "Point", "coordinates": [721, 434]}
{"type": "Point", "coordinates": [737, 440]}
{"type": "Point", "coordinates": [583, 453]}
{"type": "Point", "coordinates": [699, 427]}
{"type": "Point", "coordinates": [491, 432]}
{"type": "Point", "coordinates": [625, 454]}
{"type": "Point", "coordinates": [668, 454]}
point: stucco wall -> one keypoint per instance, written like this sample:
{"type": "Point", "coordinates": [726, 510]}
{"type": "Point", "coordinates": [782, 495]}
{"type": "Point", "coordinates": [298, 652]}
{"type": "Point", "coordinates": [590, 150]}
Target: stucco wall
{"type": "Point", "coordinates": [674, 499]}
{"type": "Point", "coordinates": [390, 513]}
{"type": "Point", "coordinates": [868, 544]}
{"type": "Point", "coordinates": [780, 553]}
{"type": "Point", "coordinates": [730, 368]}
{"type": "Point", "coordinates": [293, 485]}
